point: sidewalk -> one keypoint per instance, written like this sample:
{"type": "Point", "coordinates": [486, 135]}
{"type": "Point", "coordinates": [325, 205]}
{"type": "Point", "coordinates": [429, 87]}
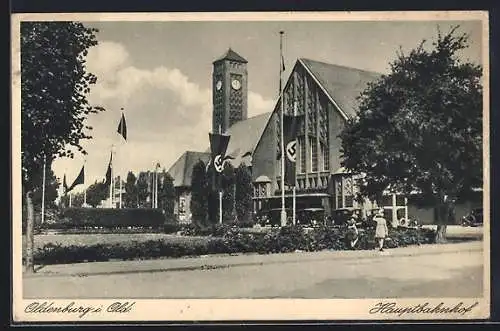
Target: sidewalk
{"type": "Point", "coordinates": [225, 261]}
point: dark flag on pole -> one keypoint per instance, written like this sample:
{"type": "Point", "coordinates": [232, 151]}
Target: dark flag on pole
{"type": "Point", "coordinates": [218, 147]}
{"type": "Point", "coordinates": [291, 126]}
{"type": "Point", "coordinates": [122, 127]}
{"type": "Point", "coordinates": [65, 184]}
{"type": "Point", "coordinates": [79, 180]}
{"type": "Point", "coordinates": [108, 172]}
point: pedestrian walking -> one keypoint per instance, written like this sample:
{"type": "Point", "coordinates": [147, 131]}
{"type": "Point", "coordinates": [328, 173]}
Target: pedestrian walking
{"type": "Point", "coordinates": [381, 230]}
{"type": "Point", "coordinates": [352, 233]}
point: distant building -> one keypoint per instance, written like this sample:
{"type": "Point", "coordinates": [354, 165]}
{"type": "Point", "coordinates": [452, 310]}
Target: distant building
{"type": "Point", "coordinates": [181, 171]}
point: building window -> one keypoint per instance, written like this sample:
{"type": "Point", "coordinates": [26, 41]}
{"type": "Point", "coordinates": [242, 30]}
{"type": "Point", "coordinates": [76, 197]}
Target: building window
{"type": "Point", "coordinates": [302, 155]}
{"type": "Point", "coordinates": [325, 157]}
{"type": "Point", "coordinates": [338, 192]}
{"type": "Point", "coordinates": [349, 201]}
{"type": "Point", "coordinates": [182, 206]}
{"type": "Point", "coordinates": [314, 154]}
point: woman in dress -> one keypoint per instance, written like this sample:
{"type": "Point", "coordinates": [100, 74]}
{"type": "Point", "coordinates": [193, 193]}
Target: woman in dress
{"type": "Point", "coordinates": [381, 230]}
{"type": "Point", "coordinates": [352, 233]}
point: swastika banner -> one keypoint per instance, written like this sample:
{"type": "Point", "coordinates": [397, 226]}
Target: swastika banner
{"type": "Point", "coordinates": [291, 125]}
{"type": "Point", "coordinates": [218, 147]}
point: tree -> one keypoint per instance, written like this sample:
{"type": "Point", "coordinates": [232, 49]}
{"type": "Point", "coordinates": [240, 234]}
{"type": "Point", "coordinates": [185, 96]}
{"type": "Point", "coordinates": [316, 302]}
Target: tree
{"type": "Point", "coordinates": [131, 197]}
{"type": "Point", "coordinates": [228, 193]}
{"type": "Point", "coordinates": [199, 194]}
{"type": "Point", "coordinates": [96, 193]}
{"type": "Point", "coordinates": [77, 200]}
{"type": "Point", "coordinates": [419, 128]}
{"type": "Point", "coordinates": [51, 187]}
{"type": "Point", "coordinates": [166, 195]}
{"type": "Point", "coordinates": [244, 193]}
{"type": "Point", "coordinates": [212, 196]}
{"type": "Point", "coordinates": [143, 189]}
{"type": "Point", "coordinates": [54, 106]}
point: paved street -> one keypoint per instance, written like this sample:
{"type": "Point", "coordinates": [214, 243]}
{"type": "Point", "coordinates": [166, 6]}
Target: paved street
{"type": "Point", "coordinates": [453, 270]}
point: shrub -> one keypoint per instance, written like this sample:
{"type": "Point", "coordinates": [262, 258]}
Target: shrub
{"type": "Point", "coordinates": [230, 239]}
{"type": "Point", "coordinates": [170, 227]}
{"type": "Point", "coordinates": [108, 218]}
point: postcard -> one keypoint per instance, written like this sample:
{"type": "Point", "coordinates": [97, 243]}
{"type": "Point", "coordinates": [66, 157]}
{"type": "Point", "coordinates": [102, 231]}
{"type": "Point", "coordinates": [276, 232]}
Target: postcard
{"type": "Point", "coordinates": [250, 166]}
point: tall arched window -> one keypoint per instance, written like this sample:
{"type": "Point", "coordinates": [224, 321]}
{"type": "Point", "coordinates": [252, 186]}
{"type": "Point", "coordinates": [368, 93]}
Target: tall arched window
{"type": "Point", "coordinates": [314, 154]}
{"type": "Point", "coordinates": [302, 155]}
{"type": "Point", "coordinates": [325, 157]}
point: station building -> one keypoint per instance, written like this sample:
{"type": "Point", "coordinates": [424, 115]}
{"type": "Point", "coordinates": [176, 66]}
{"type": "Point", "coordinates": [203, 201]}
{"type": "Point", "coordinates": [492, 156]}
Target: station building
{"type": "Point", "coordinates": [326, 94]}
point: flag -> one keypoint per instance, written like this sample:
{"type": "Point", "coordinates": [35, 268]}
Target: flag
{"type": "Point", "coordinates": [218, 147]}
{"type": "Point", "coordinates": [246, 154]}
{"type": "Point", "coordinates": [80, 179]}
{"type": "Point", "coordinates": [65, 185]}
{"type": "Point", "coordinates": [291, 125]}
{"type": "Point", "coordinates": [282, 63]}
{"type": "Point", "coordinates": [108, 172]}
{"type": "Point", "coordinates": [122, 127]}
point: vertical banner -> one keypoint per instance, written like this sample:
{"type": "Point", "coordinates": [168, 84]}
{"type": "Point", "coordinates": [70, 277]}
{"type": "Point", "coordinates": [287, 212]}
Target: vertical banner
{"type": "Point", "coordinates": [218, 147]}
{"type": "Point", "coordinates": [291, 125]}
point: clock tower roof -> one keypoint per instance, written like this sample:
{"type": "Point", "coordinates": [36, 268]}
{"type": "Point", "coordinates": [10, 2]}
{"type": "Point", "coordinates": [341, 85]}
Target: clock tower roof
{"type": "Point", "coordinates": [231, 56]}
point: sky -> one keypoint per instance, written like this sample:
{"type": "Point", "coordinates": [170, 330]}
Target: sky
{"type": "Point", "coordinates": [160, 74]}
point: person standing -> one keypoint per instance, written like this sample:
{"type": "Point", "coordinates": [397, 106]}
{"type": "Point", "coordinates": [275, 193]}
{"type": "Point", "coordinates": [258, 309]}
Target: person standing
{"type": "Point", "coordinates": [381, 230]}
{"type": "Point", "coordinates": [352, 233]}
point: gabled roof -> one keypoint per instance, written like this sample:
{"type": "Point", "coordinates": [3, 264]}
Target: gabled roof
{"type": "Point", "coordinates": [244, 137]}
{"type": "Point", "coordinates": [182, 170]}
{"type": "Point", "coordinates": [232, 56]}
{"type": "Point", "coordinates": [342, 84]}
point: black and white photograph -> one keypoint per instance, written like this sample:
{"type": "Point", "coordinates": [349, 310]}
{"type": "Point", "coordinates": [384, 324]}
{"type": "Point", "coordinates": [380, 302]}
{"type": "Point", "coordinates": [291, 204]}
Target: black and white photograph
{"type": "Point", "coordinates": [250, 166]}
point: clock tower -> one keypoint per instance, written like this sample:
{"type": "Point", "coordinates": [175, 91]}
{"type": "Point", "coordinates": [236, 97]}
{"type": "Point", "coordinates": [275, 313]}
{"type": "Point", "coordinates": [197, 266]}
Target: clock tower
{"type": "Point", "coordinates": [229, 86]}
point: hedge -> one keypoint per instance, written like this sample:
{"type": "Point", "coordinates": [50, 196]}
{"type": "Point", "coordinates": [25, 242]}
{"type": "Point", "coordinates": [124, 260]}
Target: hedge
{"type": "Point", "coordinates": [231, 240]}
{"type": "Point", "coordinates": [78, 218]}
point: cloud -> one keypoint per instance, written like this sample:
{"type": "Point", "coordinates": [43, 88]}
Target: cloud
{"type": "Point", "coordinates": [106, 58]}
{"type": "Point", "coordinates": [258, 105]}
{"type": "Point", "coordinates": [166, 114]}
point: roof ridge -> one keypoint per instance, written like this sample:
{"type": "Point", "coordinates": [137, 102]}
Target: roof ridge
{"type": "Point", "coordinates": [341, 66]}
{"type": "Point", "coordinates": [230, 54]}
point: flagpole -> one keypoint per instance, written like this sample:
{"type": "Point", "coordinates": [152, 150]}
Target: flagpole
{"type": "Point", "coordinates": [156, 186]}
{"type": "Point", "coordinates": [111, 180]}
{"type": "Point", "coordinates": [70, 199]}
{"type": "Point", "coordinates": [151, 179]}
{"type": "Point", "coordinates": [156, 189]}
{"type": "Point", "coordinates": [294, 197]}
{"type": "Point", "coordinates": [155, 180]}
{"type": "Point", "coordinates": [220, 206]}
{"type": "Point", "coordinates": [119, 171]}
{"type": "Point", "coordinates": [84, 187]}
{"type": "Point", "coordinates": [120, 179]}
{"type": "Point", "coordinates": [113, 174]}
{"type": "Point", "coordinates": [283, 211]}
{"type": "Point", "coordinates": [220, 191]}
{"type": "Point", "coordinates": [43, 189]}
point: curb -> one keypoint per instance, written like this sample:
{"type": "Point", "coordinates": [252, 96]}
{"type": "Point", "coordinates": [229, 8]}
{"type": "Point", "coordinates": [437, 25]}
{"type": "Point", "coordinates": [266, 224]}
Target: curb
{"type": "Point", "coordinates": [213, 266]}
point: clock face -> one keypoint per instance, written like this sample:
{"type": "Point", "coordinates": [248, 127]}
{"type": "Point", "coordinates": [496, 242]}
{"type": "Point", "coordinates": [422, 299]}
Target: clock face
{"type": "Point", "coordinates": [218, 86]}
{"type": "Point", "coordinates": [236, 84]}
